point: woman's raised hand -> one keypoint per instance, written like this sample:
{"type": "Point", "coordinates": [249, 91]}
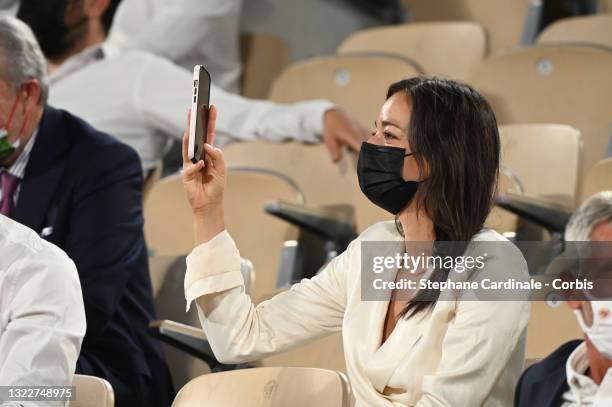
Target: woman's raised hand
{"type": "Point", "coordinates": [205, 183]}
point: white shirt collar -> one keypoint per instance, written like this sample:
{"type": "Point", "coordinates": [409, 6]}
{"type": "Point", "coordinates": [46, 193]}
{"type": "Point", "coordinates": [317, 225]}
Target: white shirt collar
{"type": "Point", "coordinates": [581, 386]}
{"type": "Point", "coordinates": [74, 63]}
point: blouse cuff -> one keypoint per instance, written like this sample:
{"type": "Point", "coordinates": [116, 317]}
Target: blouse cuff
{"type": "Point", "coordinates": [314, 119]}
{"type": "Point", "coordinates": [212, 267]}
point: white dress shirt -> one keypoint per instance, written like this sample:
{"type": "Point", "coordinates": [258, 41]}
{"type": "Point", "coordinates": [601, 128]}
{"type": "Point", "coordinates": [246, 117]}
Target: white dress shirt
{"type": "Point", "coordinates": [461, 353]}
{"type": "Point", "coordinates": [142, 100]}
{"type": "Point", "coordinates": [187, 32]}
{"type": "Point", "coordinates": [583, 391]}
{"type": "Point", "coordinates": [42, 317]}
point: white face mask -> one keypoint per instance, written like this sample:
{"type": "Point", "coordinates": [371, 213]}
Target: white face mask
{"type": "Point", "coordinates": [600, 332]}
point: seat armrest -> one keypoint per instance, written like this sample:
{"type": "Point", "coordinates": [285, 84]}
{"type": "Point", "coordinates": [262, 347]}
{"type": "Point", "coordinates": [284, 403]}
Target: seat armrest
{"type": "Point", "coordinates": [334, 223]}
{"type": "Point", "coordinates": [186, 338]}
{"type": "Point", "coordinates": [547, 214]}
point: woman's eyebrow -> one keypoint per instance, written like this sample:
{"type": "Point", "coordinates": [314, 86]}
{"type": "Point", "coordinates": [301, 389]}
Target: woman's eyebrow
{"type": "Point", "coordinates": [388, 123]}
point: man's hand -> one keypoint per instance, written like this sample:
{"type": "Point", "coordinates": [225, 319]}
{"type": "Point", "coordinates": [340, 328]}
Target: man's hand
{"type": "Point", "coordinates": [340, 130]}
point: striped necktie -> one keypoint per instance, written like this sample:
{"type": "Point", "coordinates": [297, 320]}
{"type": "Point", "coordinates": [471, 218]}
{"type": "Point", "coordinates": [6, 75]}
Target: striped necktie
{"type": "Point", "coordinates": [8, 183]}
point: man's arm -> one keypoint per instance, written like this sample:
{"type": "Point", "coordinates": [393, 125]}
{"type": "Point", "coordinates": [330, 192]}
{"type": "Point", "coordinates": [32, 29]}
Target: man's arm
{"type": "Point", "coordinates": [163, 92]}
{"type": "Point", "coordinates": [41, 342]}
{"type": "Point", "coordinates": [106, 239]}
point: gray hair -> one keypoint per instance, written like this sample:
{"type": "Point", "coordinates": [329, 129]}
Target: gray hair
{"type": "Point", "coordinates": [594, 210]}
{"type": "Point", "coordinates": [20, 56]}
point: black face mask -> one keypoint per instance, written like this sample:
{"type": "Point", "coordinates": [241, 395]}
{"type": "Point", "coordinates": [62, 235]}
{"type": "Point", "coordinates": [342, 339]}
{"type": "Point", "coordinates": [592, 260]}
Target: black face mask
{"type": "Point", "coordinates": [379, 171]}
{"type": "Point", "coordinates": [47, 19]}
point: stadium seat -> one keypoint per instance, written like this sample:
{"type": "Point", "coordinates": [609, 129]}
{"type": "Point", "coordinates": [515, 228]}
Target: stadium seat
{"type": "Point", "coordinates": [553, 84]}
{"type": "Point", "coordinates": [152, 177]}
{"type": "Point", "coordinates": [504, 20]}
{"type": "Point", "coordinates": [605, 6]}
{"type": "Point", "coordinates": [263, 58]}
{"type": "Point", "coordinates": [269, 387]}
{"type": "Point", "coordinates": [321, 181]}
{"type": "Point", "coordinates": [91, 391]}
{"type": "Point", "coordinates": [549, 214]}
{"type": "Point", "coordinates": [587, 30]}
{"type": "Point", "coordinates": [448, 49]}
{"type": "Point", "coordinates": [259, 236]}
{"type": "Point", "coordinates": [356, 83]}
{"type": "Point", "coordinates": [550, 326]}
{"type": "Point", "coordinates": [530, 166]}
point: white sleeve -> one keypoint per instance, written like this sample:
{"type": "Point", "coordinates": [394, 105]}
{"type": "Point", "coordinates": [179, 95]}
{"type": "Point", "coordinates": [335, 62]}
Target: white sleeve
{"type": "Point", "coordinates": [163, 93]}
{"type": "Point", "coordinates": [239, 331]}
{"type": "Point", "coordinates": [41, 341]}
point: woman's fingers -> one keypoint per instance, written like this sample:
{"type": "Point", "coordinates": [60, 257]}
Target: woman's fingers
{"type": "Point", "coordinates": [215, 155]}
{"type": "Point", "coordinates": [212, 122]}
{"type": "Point", "coordinates": [185, 148]}
{"type": "Point", "coordinates": [190, 171]}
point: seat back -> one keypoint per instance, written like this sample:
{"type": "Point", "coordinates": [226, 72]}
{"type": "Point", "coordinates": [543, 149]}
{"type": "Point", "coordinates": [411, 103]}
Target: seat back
{"type": "Point", "coordinates": [549, 327]}
{"type": "Point", "coordinates": [259, 236]}
{"type": "Point", "coordinates": [449, 49]}
{"type": "Point", "coordinates": [151, 178]}
{"type": "Point", "coordinates": [322, 182]}
{"type": "Point", "coordinates": [266, 387]}
{"type": "Point", "coordinates": [355, 83]}
{"type": "Point", "coordinates": [91, 391]}
{"type": "Point", "coordinates": [263, 58]}
{"type": "Point", "coordinates": [594, 29]}
{"type": "Point", "coordinates": [553, 84]}
{"type": "Point", "coordinates": [503, 20]}
{"type": "Point", "coordinates": [545, 157]}
{"type": "Point", "coordinates": [598, 179]}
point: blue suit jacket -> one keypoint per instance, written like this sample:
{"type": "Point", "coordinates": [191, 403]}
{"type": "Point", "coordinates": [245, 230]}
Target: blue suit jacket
{"type": "Point", "coordinates": [82, 191]}
{"type": "Point", "coordinates": [544, 383]}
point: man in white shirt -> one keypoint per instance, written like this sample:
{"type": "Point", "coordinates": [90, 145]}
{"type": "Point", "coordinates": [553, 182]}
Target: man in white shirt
{"type": "Point", "coordinates": [187, 32]}
{"type": "Point", "coordinates": [579, 373]}
{"type": "Point", "coordinates": [142, 99]}
{"type": "Point", "coordinates": [42, 319]}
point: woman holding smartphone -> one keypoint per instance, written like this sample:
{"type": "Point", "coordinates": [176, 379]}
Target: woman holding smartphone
{"type": "Point", "coordinates": [433, 162]}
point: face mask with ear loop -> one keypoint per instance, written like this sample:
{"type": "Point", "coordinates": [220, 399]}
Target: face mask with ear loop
{"type": "Point", "coordinates": [600, 331]}
{"type": "Point", "coordinates": [379, 171]}
{"type": "Point", "coordinates": [7, 148]}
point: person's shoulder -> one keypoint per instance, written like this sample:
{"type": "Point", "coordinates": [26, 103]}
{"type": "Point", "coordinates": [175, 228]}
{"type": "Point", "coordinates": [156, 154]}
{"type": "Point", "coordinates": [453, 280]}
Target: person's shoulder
{"type": "Point", "coordinates": [20, 243]}
{"type": "Point", "coordinates": [88, 142]}
{"type": "Point", "coordinates": [489, 235]}
{"type": "Point", "coordinates": [556, 360]}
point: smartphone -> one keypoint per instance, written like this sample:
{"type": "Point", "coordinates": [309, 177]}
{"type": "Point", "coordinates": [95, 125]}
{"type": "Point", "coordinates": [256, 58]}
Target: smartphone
{"type": "Point", "coordinates": [199, 113]}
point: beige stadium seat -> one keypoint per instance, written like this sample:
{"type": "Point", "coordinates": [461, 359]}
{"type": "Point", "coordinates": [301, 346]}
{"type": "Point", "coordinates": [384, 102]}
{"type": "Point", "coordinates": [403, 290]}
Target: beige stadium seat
{"type": "Point", "coordinates": [267, 387]}
{"type": "Point", "coordinates": [450, 49]}
{"type": "Point", "coordinates": [593, 29]}
{"type": "Point", "coordinates": [598, 179]}
{"type": "Point", "coordinates": [91, 391]}
{"type": "Point", "coordinates": [605, 6]}
{"type": "Point", "coordinates": [263, 58]}
{"type": "Point", "coordinates": [356, 83]}
{"type": "Point", "coordinates": [553, 84]}
{"type": "Point", "coordinates": [322, 182]}
{"type": "Point", "coordinates": [549, 327]}
{"type": "Point", "coordinates": [258, 235]}
{"type": "Point", "coordinates": [540, 160]}
{"type": "Point", "coordinates": [151, 178]}
{"type": "Point", "coordinates": [503, 19]}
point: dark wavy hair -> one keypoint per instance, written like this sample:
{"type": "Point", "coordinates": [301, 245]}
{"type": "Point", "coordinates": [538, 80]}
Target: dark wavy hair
{"type": "Point", "coordinates": [454, 135]}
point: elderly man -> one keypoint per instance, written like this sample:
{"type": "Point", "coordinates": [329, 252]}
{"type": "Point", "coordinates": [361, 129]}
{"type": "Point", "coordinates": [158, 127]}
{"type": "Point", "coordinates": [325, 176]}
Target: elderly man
{"type": "Point", "coordinates": [579, 373]}
{"type": "Point", "coordinates": [141, 98]}
{"type": "Point", "coordinates": [81, 190]}
{"type": "Point", "coordinates": [42, 320]}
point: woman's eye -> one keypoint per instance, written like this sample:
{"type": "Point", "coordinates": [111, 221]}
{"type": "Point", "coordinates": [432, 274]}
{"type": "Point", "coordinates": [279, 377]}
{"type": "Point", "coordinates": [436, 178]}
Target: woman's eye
{"type": "Point", "coordinates": [389, 136]}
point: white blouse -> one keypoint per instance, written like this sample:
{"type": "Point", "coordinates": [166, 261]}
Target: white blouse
{"type": "Point", "coordinates": [461, 353]}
